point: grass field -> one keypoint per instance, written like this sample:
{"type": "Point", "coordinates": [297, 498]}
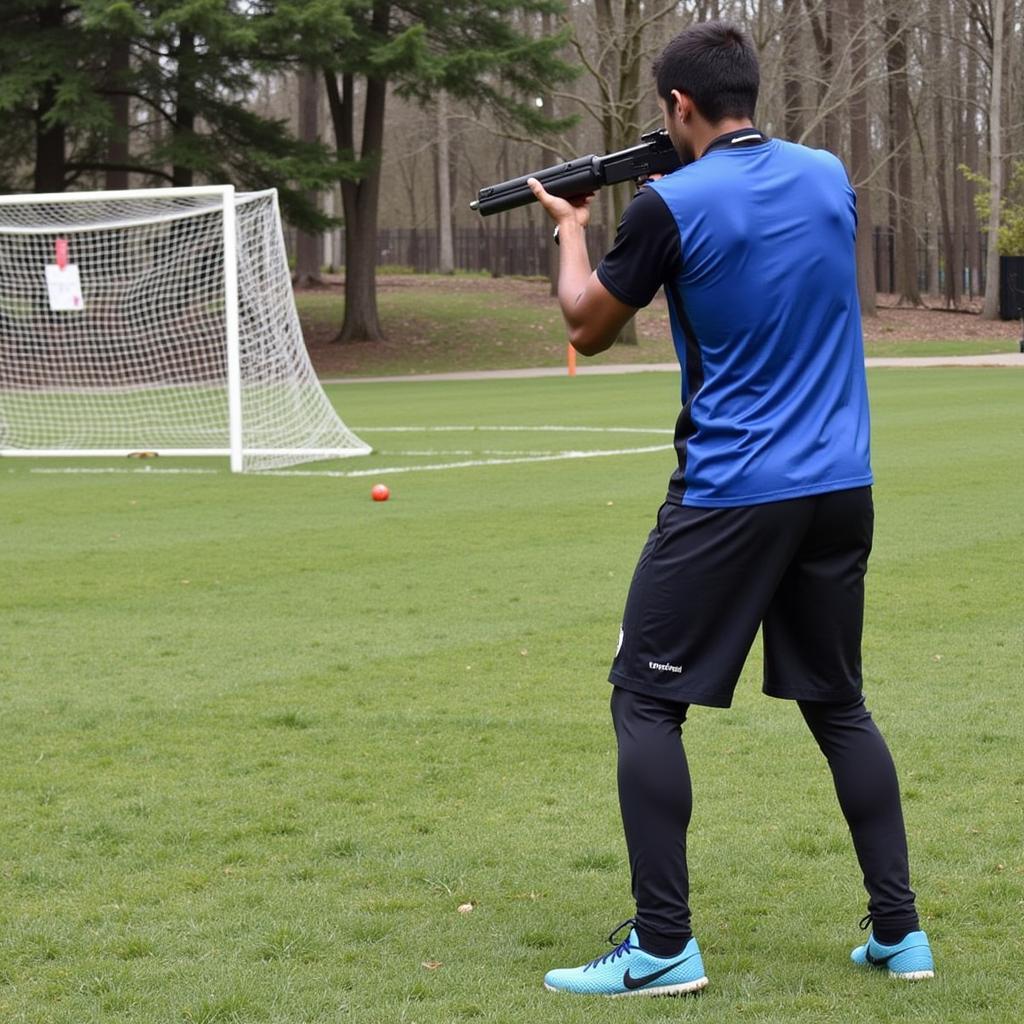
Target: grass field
{"type": "Point", "coordinates": [263, 736]}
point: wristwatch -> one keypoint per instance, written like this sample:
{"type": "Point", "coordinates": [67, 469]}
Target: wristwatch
{"type": "Point", "coordinates": [554, 235]}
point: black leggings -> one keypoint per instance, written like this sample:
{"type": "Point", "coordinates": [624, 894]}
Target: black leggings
{"type": "Point", "coordinates": [656, 801]}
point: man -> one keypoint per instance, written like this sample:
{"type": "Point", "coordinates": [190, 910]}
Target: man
{"type": "Point", "coordinates": [768, 519]}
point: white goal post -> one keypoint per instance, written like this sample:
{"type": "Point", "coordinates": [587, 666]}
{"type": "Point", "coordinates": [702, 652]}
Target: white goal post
{"type": "Point", "coordinates": [156, 320]}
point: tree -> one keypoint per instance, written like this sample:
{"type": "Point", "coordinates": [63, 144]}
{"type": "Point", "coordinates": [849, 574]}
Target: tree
{"type": "Point", "coordinates": [860, 154]}
{"type": "Point", "coordinates": [936, 47]}
{"type": "Point", "coordinates": [48, 67]}
{"type": "Point", "coordinates": [990, 309]}
{"type": "Point", "coordinates": [116, 82]}
{"type": "Point", "coordinates": [198, 60]}
{"type": "Point", "coordinates": [468, 48]}
{"type": "Point", "coordinates": [308, 247]}
{"type": "Point", "coordinates": [902, 175]}
{"type": "Point", "coordinates": [446, 249]}
{"type": "Point", "coordinates": [1010, 234]}
{"type": "Point", "coordinates": [793, 119]}
{"type": "Point", "coordinates": [822, 16]}
{"type": "Point", "coordinates": [614, 50]}
{"type": "Point", "coordinates": [158, 89]}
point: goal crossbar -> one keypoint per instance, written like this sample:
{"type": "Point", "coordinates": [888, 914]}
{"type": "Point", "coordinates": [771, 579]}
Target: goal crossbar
{"type": "Point", "coordinates": [214, 191]}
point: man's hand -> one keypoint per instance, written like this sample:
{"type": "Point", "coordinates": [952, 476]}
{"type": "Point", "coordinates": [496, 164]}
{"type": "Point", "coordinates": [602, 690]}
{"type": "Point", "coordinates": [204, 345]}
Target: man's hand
{"type": "Point", "coordinates": [563, 211]}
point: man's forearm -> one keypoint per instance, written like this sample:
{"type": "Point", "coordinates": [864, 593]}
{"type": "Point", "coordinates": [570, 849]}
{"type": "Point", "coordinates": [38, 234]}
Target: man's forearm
{"type": "Point", "coordinates": [573, 277]}
{"type": "Point", "coordinates": [573, 269]}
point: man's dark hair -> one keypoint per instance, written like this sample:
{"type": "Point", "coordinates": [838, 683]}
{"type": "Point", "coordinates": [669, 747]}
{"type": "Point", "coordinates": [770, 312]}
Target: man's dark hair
{"type": "Point", "coordinates": [715, 64]}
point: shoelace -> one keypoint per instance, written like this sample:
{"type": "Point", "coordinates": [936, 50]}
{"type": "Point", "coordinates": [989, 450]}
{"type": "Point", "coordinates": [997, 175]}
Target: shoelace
{"type": "Point", "coordinates": [620, 950]}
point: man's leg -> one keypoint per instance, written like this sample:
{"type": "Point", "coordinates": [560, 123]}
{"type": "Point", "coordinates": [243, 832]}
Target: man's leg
{"type": "Point", "coordinates": [659, 956]}
{"type": "Point", "coordinates": [656, 800]}
{"type": "Point", "coordinates": [869, 795]}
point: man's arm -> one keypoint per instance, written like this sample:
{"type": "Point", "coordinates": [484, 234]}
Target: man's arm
{"type": "Point", "coordinates": [593, 315]}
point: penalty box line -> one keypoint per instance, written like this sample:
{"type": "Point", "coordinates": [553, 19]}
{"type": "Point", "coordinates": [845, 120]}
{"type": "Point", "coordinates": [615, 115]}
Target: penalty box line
{"type": "Point", "coordinates": [514, 458]}
{"type": "Point", "coordinates": [516, 430]}
{"type": "Point", "coordinates": [376, 471]}
{"type": "Point", "coordinates": [471, 463]}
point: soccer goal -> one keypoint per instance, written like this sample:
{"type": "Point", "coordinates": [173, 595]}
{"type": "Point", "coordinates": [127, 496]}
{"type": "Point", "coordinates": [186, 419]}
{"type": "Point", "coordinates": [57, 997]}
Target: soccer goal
{"type": "Point", "coordinates": [156, 320]}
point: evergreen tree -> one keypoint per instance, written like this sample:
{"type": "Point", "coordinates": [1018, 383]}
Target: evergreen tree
{"type": "Point", "coordinates": [188, 68]}
{"type": "Point", "coordinates": [471, 49]}
{"type": "Point", "coordinates": [48, 104]}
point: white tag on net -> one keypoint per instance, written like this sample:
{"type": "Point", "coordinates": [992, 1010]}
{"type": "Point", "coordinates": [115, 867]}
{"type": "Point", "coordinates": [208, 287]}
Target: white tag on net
{"type": "Point", "coordinates": [64, 287]}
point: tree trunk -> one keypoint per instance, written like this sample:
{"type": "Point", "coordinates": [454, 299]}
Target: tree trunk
{"type": "Point", "coordinates": [309, 246]}
{"type": "Point", "coordinates": [184, 111]}
{"type": "Point", "coordinates": [824, 41]}
{"type": "Point", "coordinates": [946, 245]}
{"type": "Point", "coordinates": [972, 159]}
{"type": "Point", "coordinates": [793, 118]}
{"type": "Point", "coordinates": [607, 51]}
{"type": "Point", "coordinates": [620, 70]}
{"type": "Point", "coordinates": [360, 201]}
{"type": "Point", "coordinates": [116, 176]}
{"type": "Point", "coordinates": [50, 171]}
{"type": "Point", "coordinates": [446, 248]}
{"type": "Point", "coordinates": [956, 268]}
{"type": "Point", "coordinates": [361, 198]}
{"type": "Point", "coordinates": [990, 309]}
{"type": "Point", "coordinates": [899, 144]}
{"type": "Point", "coordinates": [860, 155]}
{"type": "Point", "coordinates": [548, 158]}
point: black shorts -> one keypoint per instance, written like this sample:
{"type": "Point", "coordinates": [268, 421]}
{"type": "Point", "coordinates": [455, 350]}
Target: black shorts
{"type": "Point", "coordinates": [709, 577]}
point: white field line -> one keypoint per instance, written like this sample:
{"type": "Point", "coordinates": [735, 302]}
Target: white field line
{"type": "Point", "coordinates": [166, 471]}
{"type": "Point", "coordinates": [549, 428]}
{"type": "Point", "coordinates": [448, 452]}
{"type": "Point", "coordinates": [383, 471]}
{"type": "Point", "coordinates": [502, 457]}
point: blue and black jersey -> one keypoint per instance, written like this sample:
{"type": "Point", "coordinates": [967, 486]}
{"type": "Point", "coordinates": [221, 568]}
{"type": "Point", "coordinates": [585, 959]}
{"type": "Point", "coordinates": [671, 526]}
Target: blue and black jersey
{"type": "Point", "coordinates": [754, 245]}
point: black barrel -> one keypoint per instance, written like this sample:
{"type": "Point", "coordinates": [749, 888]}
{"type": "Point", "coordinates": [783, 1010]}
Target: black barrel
{"type": "Point", "coordinates": [566, 180]}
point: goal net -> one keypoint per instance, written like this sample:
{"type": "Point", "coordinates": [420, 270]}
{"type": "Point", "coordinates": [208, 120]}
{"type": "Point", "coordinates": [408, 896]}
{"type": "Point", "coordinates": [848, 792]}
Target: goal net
{"type": "Point", "coordinates": [157, 320]}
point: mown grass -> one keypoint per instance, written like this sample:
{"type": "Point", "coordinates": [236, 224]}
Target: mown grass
{"type": "Point", "coordinates": [262, 736]}
{"type": "Point", "coordinates": [941, 347]}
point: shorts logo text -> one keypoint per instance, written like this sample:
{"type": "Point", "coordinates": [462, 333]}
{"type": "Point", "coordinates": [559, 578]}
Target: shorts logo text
{"type": "Point", "coordinates": [659, 667]}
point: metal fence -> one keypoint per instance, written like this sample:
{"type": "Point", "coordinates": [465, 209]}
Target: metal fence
{"type": "Point", "coordinates": [931, 270]}
{"type": "Point", "coordinates": [488, 247]}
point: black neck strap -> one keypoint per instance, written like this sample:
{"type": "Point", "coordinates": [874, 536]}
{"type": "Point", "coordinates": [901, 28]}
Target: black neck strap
{"type": "Point", "coordinates": [740, 137]}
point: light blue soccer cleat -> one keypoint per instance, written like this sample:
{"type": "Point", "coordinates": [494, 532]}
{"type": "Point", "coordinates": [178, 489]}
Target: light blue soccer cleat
{"type": "Point", "coordinates": [628, 971]}
{"type": "Point", "coordinates": [910, 959]}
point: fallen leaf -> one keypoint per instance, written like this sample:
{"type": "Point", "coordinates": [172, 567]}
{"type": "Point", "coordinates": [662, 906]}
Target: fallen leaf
{"type": "Point", "coordinates": [432, 965]}
{"type": "Point", "coordinates": [466, 908]}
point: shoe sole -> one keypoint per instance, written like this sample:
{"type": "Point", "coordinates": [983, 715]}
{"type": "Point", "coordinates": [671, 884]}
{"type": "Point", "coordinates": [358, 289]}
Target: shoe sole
{"type": "Point", "coordinates": [912, 975]}
{"type": "Point", "coordinates": [657, 990]}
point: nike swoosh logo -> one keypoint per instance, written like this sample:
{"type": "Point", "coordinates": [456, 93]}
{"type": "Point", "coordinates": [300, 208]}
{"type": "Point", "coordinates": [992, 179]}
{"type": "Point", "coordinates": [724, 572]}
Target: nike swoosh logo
{"type": "Point", "coordinates": [879, 961]}
{"type": "Point", "coordinates": [630, 982]}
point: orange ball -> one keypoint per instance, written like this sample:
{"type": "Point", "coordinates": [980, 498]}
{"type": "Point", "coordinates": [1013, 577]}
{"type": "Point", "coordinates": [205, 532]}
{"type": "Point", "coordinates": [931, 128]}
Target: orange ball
{"type": "Point", "coordinates": [380, 492]}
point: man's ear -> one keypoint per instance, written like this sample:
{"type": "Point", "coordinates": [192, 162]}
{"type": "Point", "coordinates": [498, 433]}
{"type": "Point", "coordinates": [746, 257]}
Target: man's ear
{"type": "Point", "coordinates": [682, 105]}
